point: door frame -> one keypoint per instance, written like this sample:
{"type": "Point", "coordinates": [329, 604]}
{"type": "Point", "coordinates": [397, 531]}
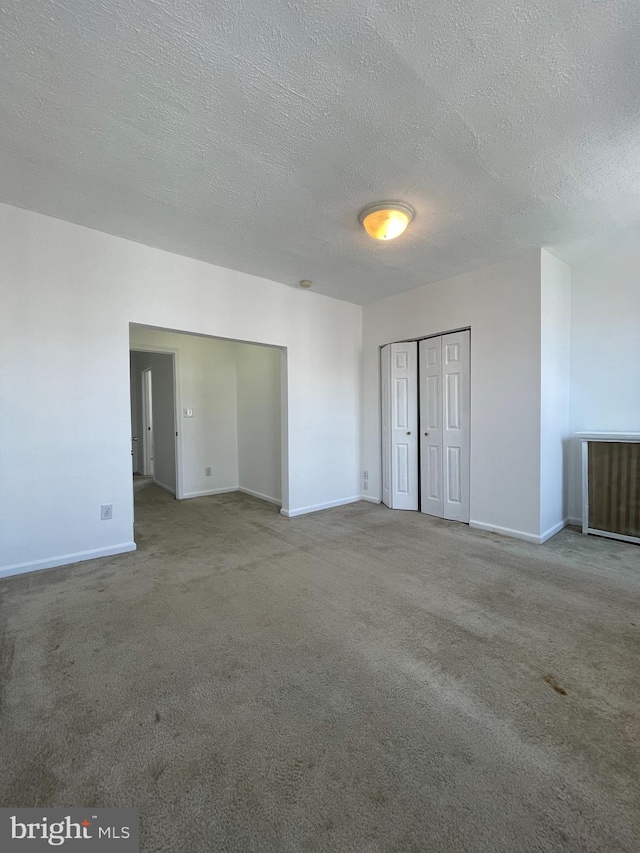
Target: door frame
{"type": "Point", "coordinates": [284, 403]}
{"type": "Point", "coordinates": [380, 423]}
{"type": "Point", "coordinates": [175, 353]}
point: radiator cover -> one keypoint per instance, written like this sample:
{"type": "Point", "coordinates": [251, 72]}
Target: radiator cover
{"type": "Point", "coordinates": [611, 485]}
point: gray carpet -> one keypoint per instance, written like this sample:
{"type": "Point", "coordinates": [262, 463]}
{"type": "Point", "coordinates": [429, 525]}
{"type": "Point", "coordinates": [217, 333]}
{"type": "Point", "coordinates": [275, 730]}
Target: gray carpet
{"type": "Point", "coordinates": [354, 680]}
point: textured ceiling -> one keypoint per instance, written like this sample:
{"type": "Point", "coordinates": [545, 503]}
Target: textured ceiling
{"type": "Point", "coordinates": [249, 133]}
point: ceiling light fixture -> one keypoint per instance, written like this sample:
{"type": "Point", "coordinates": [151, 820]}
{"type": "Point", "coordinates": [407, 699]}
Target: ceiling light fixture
{"type": "Point", "coordinates": [386, 220]}
{"type": "Point", "coordinates": [305, 283]}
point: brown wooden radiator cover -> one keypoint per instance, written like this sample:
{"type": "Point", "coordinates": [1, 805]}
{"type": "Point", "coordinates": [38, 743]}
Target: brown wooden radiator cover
{"type": "Point", "coordinates": [614, 487]}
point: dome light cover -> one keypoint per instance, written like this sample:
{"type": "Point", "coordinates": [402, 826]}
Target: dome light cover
{"type": "Point", "coordinates": [386, 220]}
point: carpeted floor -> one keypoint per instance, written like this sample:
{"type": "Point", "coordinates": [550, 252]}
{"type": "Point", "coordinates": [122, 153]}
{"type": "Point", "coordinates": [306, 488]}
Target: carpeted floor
{"type": "Point", "coordinates": [354, 680]}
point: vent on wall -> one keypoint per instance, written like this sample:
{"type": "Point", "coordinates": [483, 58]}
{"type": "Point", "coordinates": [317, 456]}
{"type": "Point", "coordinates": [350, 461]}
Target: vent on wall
{"type": "Point", "coordinates": [611, 485]}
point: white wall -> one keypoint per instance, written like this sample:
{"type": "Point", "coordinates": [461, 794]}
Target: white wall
{"type": "Point", "coordinates": [206, 384]}
{"type": "Point", "coordinates": [605, 342]}
{"type": "Point", "coordinates": [68, 296]}
{"type": "Point", "coordinates": [501, 304]}
{"type": "Point", "coordinates": [162, 394]}
{"type": "Point", "coordinates": [555, 324]}
{"type": "Point", "coordinates": [259, 445]}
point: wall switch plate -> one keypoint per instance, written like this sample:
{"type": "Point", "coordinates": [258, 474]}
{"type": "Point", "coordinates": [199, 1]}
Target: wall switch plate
{"type": "Point", "coordinates": [365, 475]}
{"type": "Point", "coordinates": [106, 512]}
{"type": "Point", "coordinates": [207, 472]}
{"type": "Point", "coordinates": [188, 413]}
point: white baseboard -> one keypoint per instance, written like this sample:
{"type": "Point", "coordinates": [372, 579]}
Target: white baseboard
{"type": "Point", "coordinates": [506, 531]}
{"type": "Point", "coordinates": [166, 488]}
{"type": "Point", "coordinates": [553, 530]}
{"type": "Point", "coordinates": [65, 560]}
{"type": "Point", "coordinates": [229, 490]}
{"type": "Point", "coordinates": [304, 510]}
{"type": "Point", "coordinates": [259, 495]}
{"type": "Point", "coordinates": [210, 492]}
{"type": "Point", "coordinates": [520, 534]}
{"type": "Point", "coordinates": [370, 499]}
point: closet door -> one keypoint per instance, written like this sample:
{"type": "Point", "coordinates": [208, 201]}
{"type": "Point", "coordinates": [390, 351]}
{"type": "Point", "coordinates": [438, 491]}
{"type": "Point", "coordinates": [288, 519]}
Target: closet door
{"type": "Point", "coordinates": [431, 465]}
{"type": "Point", "coordinates": [445, 426]}
{"type": "Point", "coordinates": [456, 424]}
{"type": "Point", "coordinates": [399, 367]}
{"type": "Point", "coordinates": [385, 388]}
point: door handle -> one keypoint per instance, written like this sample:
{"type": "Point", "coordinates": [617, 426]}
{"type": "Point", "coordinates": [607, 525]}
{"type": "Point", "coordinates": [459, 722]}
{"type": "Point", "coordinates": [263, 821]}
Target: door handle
{"type": "Point", "coordinates": [135, 438]}
{"type": "Point", "coordinates": [426, 433]}
{"type": "Point", "coordinates": [409, 433]}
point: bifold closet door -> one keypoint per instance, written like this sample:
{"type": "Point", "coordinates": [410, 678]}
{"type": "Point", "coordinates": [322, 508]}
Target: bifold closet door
{"type": "Point", "coordinates": [445, 425]}
{"type": "Point", "coordinates": [399, 369]}
{"type": "Point", "coordinates": [431, 495]}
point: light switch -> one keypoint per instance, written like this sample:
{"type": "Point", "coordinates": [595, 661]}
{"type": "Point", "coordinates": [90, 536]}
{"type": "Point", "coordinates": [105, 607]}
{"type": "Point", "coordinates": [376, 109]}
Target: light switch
{"type": "Point", "coordinates": [188, 413]}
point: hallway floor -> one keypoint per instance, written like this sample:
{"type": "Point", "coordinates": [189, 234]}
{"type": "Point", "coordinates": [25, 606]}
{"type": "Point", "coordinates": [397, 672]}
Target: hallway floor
{"type": "Point", "coordinates": [353, 680]}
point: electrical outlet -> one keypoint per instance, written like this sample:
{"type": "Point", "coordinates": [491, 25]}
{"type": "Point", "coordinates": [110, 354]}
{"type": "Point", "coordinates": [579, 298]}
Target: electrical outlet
{"type": "Point", "coordinates": [366, 486]}
{"type": "Point", "coordinates": [365, 475]}
{"type": "Point", "coordinates": [106, 512]}
{"type": "Point", "coordinates": [188, 413]}
{"type": "Point", "coordinates": [207, 472]}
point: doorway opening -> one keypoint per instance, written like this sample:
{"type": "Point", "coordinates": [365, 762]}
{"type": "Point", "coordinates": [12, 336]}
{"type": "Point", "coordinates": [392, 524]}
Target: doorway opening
{"type": "Point", "coordinates": [222, 416]}
{"type": "Point", "coordinates": [154, 454]}
{"type": "Point", "coordinates": [426, 426]}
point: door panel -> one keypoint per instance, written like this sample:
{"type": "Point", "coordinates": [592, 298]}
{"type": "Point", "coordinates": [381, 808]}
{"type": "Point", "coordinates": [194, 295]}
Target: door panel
{"type": "Point", "coordinates": [147, 423]}
{"type": "Point", "coordinates": [432, 489]}
{"type": "Point", "coordinates": [454, 482]}
{"type": "Point", "coordinates": [402, 470]}
{"type": "Point", "coordinates": [385, 377]}
{"type": "Point", "coordinates": [432, 499]}
{"type": "Point", "coordinates": [431, 409]}
{"type": "Point", "coordinates": [399, 365]}
{"type": "Point", "coordinates": [456, 432]}
{"type": "Point", "coordinates": [401, 397]}
{"type": "Point", "coordinates": [453, 401]}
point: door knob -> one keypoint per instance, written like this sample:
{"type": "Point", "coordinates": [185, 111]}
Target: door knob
{"type": "Point", "coordinates": [426, 433]}
{"type": "Point", "coordinates": [409, 433]}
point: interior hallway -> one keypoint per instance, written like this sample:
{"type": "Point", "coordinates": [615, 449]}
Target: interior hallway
{"type": "Point", "coordinates": [357, 679]}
